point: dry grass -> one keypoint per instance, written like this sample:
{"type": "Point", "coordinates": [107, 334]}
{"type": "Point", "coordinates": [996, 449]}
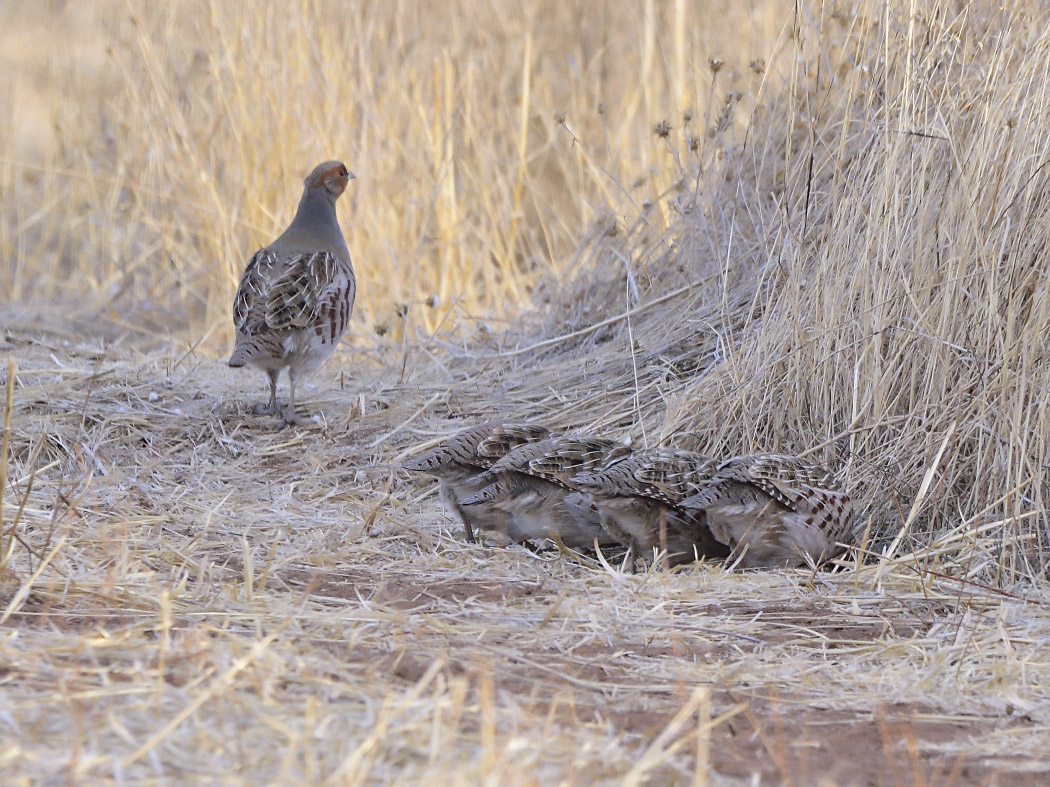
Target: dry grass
{"type": "Point", "coordinates": [847, 262]}
{"type": "Point", "coordinates": [193, 126]}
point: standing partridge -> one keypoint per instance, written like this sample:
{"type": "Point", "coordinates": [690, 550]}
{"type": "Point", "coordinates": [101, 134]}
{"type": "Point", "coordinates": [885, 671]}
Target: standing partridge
{"type": "Point", "coordinates": [638, 499]}
{"type": "Point", "coordinates": [532, 485]}
{"type": "Point", "coordinates": [296, 294]}
{"type": "Point", "coordinates": [457, 462]}
{"type": "Point", "coordinates": [775, 511]}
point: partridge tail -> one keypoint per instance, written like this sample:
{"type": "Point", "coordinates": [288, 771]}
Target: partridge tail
{"type": "Point", "coordinates": [239, 357]}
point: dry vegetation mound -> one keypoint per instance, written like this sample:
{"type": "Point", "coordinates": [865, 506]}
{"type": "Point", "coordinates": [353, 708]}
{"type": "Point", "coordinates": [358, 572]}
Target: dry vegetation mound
{"type": "Point", "coordinates": [853, 270]}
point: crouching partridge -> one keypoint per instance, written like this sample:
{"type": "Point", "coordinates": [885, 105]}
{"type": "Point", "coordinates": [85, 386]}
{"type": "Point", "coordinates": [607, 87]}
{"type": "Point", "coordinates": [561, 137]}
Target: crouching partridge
{"type": "Point", "coordinates": [775, 511]}
{"type": "Point", "coordinates": [296, 294]}
{"type": "Point", "coordinates": [638, 499]}
{"type": "Point", "coordinates": [458, 461]}
{"type": "Point", "coordinates": [532, 487]}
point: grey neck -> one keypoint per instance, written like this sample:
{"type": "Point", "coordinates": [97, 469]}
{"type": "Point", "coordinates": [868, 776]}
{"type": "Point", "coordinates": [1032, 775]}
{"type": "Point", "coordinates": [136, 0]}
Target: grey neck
{"type": "Point", "coordinates": [315, 225]}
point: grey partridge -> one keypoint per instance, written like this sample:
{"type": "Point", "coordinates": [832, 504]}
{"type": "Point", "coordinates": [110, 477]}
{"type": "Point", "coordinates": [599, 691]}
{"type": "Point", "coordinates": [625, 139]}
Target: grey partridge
{"type": "Point", "coordinates": [638, 499]}
{"type": "Point", "coordinates": [296, 295]}
{"type": "Point", "coordinates": [457, 463]}
{"type": "Point", "coordinates": [532, 485]}
{"type": "Point", "coordinates": [775, 511]}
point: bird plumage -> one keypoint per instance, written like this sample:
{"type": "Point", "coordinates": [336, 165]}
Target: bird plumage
{"type": "Point", "coordinates": [775, 510]}
{"type": "Point", "coordinates": [638, 498]}
{"type": "Point", "coordinates": [532, 487]}
{"type": "Point", "coordinates": [457, 463]}
{"type": "Point", "coordinates": [296, 295]}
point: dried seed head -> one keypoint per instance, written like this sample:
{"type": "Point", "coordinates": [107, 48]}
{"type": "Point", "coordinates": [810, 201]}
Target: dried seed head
{"type": "Point", "coordinates": [715, 64]}
{"type": "Point", "coordinates": [758, 65]}
{"type": "Point", "coordinates": [401, 309]}
{"type": "Point", "coordinates": [687, 117]}
{"type": "Point", "coordinates": [725, 116]}
{"type": "Point", "coordinates": [693, 142]}
{"type": "Point", "coordinates": [601, 108]}
{"type": "Point", "coordinates": [559, 118]}
{"type": "Point", "coordinates": [662, 129]}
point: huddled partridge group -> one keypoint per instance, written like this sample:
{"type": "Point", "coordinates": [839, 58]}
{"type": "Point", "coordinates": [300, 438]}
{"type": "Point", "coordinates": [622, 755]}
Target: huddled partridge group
{"type": "Point", "coordinates": [765, 510]}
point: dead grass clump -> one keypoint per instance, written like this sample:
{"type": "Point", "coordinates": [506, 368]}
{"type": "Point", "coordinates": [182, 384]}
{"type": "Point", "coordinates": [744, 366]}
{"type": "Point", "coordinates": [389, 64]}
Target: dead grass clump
{"type": "Point", "coordinates": [863, 283]}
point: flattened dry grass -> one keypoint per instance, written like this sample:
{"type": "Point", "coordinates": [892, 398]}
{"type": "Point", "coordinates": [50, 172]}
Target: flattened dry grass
{"type": "Point", "coordinates": [194, 594]}
{"type": "Point", "coordinates": [843, 260]}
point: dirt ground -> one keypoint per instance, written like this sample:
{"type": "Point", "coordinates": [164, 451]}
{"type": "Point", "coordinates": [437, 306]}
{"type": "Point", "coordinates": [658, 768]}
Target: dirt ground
{"type": "Point", "coordinates": [195, 594]}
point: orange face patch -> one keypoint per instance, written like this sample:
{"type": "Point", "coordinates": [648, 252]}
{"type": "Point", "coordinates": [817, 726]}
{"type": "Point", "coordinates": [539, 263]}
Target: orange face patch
{"type": "Point", "coordinates": [335, 176]}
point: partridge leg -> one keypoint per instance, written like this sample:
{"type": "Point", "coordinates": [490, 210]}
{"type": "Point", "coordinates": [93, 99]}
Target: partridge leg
{"type": "Point", "coordinates": [290, 418]}
{"type": "Point", "coordinates": [271, 408]}
{"type": "Point", "coordinates": [468, 529]}
{"type": "Point", "coordinates": [630, 558]}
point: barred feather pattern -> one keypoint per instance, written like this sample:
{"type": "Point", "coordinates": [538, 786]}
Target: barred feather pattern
{"type": "Point", "coordinates": [567, 456]}
{"type": "Point", "coordinates": [638, 496]}
{"type": "Point", "coordinates": [532, 486]}
{"type": "Point", "coordinates": [775, 510]}
{"type": "Point", "coordinates": [457, 463]}
{"type": "Point", "coordinates": [504, 438]}
{"type": "Point", "coordinates": [558, 459]}
{"type": "Point", "coordinates": [292, 313]}
{"type": "Point", "coordinates": [664, 474]}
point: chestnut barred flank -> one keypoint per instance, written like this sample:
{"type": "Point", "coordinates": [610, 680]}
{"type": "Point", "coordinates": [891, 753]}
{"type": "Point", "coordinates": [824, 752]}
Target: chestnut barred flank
{"type": "Point", "coordinates": [638, 498]}
{"type": "Point", "coordinates": [775, 510]}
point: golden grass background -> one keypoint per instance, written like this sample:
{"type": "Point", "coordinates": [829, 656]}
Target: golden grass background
{"type": "Point", "coordinates": [833, 246]}
{"type": "Point", "coordinates": [174, 139]}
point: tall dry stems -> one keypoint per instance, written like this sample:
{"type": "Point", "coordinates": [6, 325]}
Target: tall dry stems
{"type": "Point", "coordinates": [195, 123]}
